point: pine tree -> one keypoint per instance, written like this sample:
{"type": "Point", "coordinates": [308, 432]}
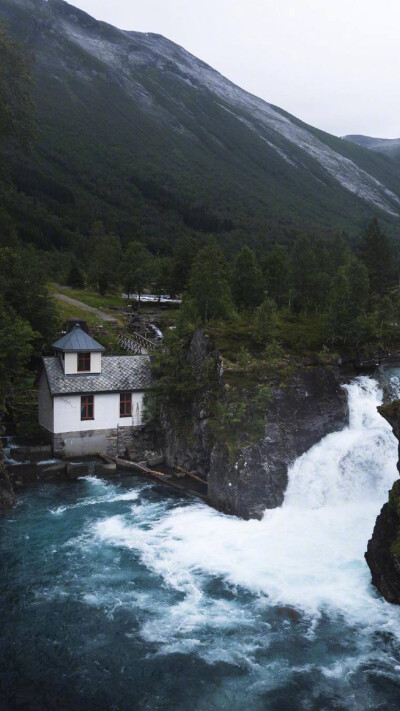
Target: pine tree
{"type": "Point", "coordinates": [162, 276]}
{"type": "Point", "coordinates": [348, 301]}
{"type": "Point", "coordinates": [247, 281]}
{"type": "Point", "coordinates": [276, 271]}
{"type": "Point", "coordinates": [104, 258]}
{"type": "Point", "coordinates": [209, 285]}
{"type": "Point", "coordinates": [137, 268]}
{"type": "Point", "coordinates": [304, 276]}
{"type": "Point", "coordinates": [377, 255]}
{"type": "Point", "coordinates": [75, 277]}
{"type": "Point", "coordinates": [184, 253]}
{"type": "Point", "coordinates": [266, 321]}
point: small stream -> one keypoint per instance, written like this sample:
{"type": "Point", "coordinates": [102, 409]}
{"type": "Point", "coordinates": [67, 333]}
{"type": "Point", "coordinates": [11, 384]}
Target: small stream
{"type": "Point", "coordinates": [123, 595]}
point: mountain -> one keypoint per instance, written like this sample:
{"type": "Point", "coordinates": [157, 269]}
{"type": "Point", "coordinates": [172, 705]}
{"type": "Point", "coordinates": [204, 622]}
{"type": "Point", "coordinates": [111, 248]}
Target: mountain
{"type": "Point", "coordinates": [387, 146]}
{"type": "Point", "coordinates": [136, 131]}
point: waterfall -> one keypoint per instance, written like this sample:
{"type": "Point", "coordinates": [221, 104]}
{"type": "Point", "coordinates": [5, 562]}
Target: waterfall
{"type": "Point", "coordinates": [356, 464]}
{"type": "Point", "coordinates": [310, 552]}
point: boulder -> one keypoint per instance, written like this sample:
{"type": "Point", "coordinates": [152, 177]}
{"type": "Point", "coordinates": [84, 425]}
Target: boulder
{"type": "Point", "coordinates": [155, 461]}
{"type": "Point", "coordinates": [105, 468]}
{"type": "Point", "coordinates": [77, 469]}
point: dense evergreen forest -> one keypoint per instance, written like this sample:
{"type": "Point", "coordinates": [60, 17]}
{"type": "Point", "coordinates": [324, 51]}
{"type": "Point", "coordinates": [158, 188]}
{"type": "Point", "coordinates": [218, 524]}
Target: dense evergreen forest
{"type": "Point", "coordinates": [27, 315]}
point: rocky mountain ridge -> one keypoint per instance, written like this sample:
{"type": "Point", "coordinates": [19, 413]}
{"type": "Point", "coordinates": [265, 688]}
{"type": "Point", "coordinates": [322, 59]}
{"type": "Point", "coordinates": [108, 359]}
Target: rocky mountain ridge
{"type": "Point", "coordinates": [387, 146]}
{"type": "Point", "coordinates": [134, 129]}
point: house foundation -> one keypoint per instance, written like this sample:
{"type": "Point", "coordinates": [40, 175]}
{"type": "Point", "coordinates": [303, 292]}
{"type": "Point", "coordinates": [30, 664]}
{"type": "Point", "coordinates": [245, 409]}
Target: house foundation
{"type": "Point", "coordinates": [115, 442]}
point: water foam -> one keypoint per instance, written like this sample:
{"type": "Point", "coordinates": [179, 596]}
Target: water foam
{"type": "Point", "coordinates": [307, 555]}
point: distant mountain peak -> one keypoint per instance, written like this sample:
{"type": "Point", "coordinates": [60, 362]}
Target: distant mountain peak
{"type": "Point", "coordinates": [387, 146]}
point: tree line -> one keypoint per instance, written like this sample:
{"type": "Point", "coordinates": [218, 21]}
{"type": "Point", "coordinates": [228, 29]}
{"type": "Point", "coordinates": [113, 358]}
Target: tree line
{"type": "Point", "coordinates": [335, 293]}
{"type": "Point", "coordinates": [338, 295]}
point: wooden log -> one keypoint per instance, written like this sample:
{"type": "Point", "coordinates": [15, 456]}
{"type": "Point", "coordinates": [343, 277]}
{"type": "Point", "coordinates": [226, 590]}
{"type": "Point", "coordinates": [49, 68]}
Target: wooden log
{"type": "Point", "coordinates": [134, 465]}
{"type": "Point", "coordinates": [158, 476]}
{"type": "Point", "coordinates": [193, 476]}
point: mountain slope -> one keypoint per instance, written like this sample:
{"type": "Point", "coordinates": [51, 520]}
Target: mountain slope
{"type": "Point", "coordinates": [136, 131]}
{"type": "Point", "coordinates": [387, 146]}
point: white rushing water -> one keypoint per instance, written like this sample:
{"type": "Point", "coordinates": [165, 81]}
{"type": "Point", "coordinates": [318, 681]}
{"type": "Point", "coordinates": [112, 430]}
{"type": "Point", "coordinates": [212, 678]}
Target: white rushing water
{"type": "Point", "coordinates": [307, 555]}
{"type": "Point", "coordinates": [151, 600]}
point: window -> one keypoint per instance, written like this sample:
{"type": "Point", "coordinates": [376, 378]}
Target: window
{"type": "Point", "coordinates": [125, 404]}
{"type": "Point", "coordinates": [87, 407]}
{"type": "Point", "coordinates": [83, 362]}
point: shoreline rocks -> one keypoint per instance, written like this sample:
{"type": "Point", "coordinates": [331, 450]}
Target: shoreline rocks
{"type": "Point", "coordinates": [7, 496]}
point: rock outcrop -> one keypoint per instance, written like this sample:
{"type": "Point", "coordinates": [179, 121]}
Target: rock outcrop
{"type": "Point", "coordinates": [247, 479]}
{"type": "Point", "coordinates": [7, 497]}
{"type": "Point", "coordinates": [309, 407]}
{"type": "Point", "coordinates": [189, 441]}
{"type": "Point", "coordinates": [383, 551]}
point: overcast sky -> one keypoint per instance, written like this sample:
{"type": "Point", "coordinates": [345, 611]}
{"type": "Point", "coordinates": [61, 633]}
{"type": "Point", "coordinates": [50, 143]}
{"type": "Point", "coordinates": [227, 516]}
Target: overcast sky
{"type": "Point", "coordinates": [332, 63]}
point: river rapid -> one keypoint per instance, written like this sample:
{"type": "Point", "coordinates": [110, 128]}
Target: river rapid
{"type": "Point", "coordinates": [119, 595]}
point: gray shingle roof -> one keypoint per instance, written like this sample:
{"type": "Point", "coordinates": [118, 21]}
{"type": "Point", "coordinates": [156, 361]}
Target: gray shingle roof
{"type": "Point", "coordinates": [118, 373]}
{"type": "Point", "coordinates": [77, 340]}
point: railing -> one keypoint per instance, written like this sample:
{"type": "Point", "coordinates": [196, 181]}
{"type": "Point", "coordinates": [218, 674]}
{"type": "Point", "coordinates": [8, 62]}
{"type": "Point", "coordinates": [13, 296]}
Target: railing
{"type": "Point", "coordinates": [135, 342]}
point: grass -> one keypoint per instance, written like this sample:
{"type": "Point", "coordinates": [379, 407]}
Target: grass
{"type": "Point", "coordinates": [67, 311]}
{"type": "Point", "coordinates": [91, 298]}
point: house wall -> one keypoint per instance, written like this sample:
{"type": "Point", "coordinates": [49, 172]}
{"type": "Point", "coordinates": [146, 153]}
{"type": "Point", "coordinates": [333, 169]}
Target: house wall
{"type": "Point", "coordinates": [113, 442]}
{"type": "Point", "coordinates": [67, 413]}
{"type": "Point", "coordinates": [71, 363]}
{"type": "Point", "coordinates": [45, 404]}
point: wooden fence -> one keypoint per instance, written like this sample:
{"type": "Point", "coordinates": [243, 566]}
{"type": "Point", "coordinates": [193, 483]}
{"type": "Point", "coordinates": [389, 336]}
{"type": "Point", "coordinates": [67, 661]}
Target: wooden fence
{"type": "Point", "coordinates": [135, 343]}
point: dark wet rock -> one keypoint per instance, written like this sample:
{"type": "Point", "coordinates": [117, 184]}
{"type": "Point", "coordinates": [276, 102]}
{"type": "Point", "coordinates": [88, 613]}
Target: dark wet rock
{"type": "Point", "coordinates": [105, 468]}
{"type": "Point", "coordinates": [7, 496]}
{"type": "Point", "coordinates": [35, 453]}
{"type": "Point", "coordinates": [312, 405]}
{"type": "Point", "coordinates": [188, 440]}
{"type": "Point", "coordinates": [253, 478]}
{"type": "Point", "coordinates": [383, 551]}
{"type": "Point", "coordinates": [77, 469]}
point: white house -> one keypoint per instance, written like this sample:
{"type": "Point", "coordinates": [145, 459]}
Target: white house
{"type": "Point", "coordinates": [89, 402]}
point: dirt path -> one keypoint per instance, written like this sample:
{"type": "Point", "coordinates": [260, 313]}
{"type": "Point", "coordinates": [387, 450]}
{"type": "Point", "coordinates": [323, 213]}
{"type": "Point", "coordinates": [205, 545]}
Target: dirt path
{"type": "Point", "coordinates": [74, 302]}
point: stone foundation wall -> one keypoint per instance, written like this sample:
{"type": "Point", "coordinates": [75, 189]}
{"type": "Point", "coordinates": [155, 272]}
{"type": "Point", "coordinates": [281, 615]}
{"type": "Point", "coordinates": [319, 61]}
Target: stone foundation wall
{"type": "Point", "coordinates": [115, 442]}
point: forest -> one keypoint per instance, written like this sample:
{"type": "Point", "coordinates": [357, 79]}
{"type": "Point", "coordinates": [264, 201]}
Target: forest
{"type": "Point", "coordinates": [312, 292]}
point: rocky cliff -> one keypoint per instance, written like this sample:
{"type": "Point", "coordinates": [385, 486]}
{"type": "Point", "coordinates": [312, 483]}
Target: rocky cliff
{"type": "Point", "coordinates": [249, 475]}
{"type": "Point", "coordinates": [310, 406]}
{"type": "Point", "coordinates": [383, 551]}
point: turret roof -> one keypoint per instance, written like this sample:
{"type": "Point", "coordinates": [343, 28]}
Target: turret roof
{"type": "Point", "coordinates": [77, 340]}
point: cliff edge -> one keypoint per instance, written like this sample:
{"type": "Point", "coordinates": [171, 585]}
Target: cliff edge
{"type": "Point", "coordinates": [383, 551]}
{"type": "Point", "coordinates": [243, 439]}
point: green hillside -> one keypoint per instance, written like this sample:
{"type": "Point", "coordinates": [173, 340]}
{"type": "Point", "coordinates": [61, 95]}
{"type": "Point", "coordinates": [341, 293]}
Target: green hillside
{"type": "Point", "coordinates": [138, 133]}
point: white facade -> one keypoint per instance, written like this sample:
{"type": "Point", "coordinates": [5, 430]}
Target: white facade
{"type": "Point", "coordinates": [67, 413]}
{"type": "Point", "coordinates": [81, 408]}
{"type": "Point", "coordinates": [70, 363]}
{"type": "Point", "coordinates": [62, 413]}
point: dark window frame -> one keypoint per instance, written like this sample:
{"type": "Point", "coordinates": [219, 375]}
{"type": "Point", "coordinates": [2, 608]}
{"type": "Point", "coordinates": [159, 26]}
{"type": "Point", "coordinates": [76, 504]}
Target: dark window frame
{"type": "Point", "coordinates": [84, 362]}
{"type": "Point", "coordinates": [87, 407]}
{"type": "Point", "coordinates": [125, 404]}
